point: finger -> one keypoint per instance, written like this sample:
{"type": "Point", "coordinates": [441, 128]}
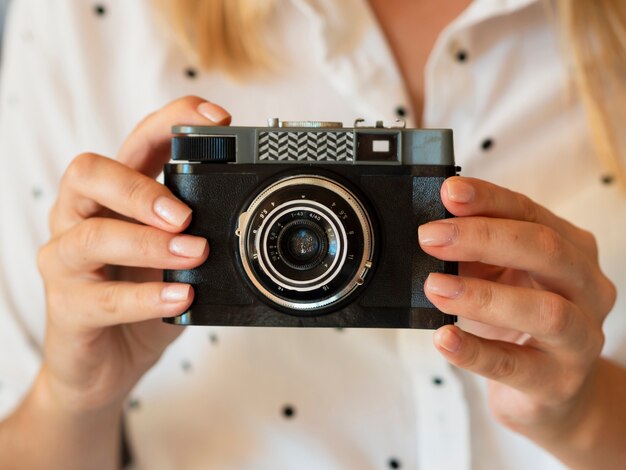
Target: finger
{"type": "Point", "coordinates": [147, 148]}
{"type": "Point", "coordinates": [117, 303]}
{"type": "Point", "coordinates": [473, 197]}
{"type": "Point", "coordinates": [548, 317]}
{"type": "Point", "coordinates": [93, 182]}
{"type": "Point", "coordinates": [97, 242]}
{"type": "Point", "coordinates": [522, 367]}
{"type": "Point", "coordinates": [550, 259]}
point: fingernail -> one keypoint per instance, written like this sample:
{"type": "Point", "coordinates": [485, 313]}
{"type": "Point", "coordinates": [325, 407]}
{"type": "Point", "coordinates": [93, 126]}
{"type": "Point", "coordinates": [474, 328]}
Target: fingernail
{"type": "Point", "coordinates": [437, 233]}
{"type": "Point", "coordinates": [188, 246]}
{"type": "Point", "coordinates": [444, 285]}
{"type": "Point", "coordinates": [175, 293]}
{"type": "Point", "coordinates": [173, 212]}
{"type": "Point", "coordinates": [460, 191]}
{"type": "Point", "coordinates": [448, 339]}
{"type": "Point", "coordinates": [213, 112]}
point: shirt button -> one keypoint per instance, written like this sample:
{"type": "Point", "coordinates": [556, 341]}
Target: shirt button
{"type": "Point", "coordinates": [461, 55]}
{"type": "Point", "coordinates": [459, 52]}
{"type": "Point", "coordinates": [608, 180]}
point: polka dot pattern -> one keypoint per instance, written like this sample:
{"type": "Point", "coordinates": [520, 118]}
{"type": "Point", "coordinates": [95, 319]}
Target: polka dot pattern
{"type": "Point", "coordinates": [99, 9]}
{"type": "Point", "coordinates": [487, 144]}
{"type": "Point", "coordinates": [289, 411]}
{"type": "Point", "coordinates": [37, 193]}
{"type": "Point", "coordinates": [134, 404]}
{"type": "Point", "coordinates": [186, 365]}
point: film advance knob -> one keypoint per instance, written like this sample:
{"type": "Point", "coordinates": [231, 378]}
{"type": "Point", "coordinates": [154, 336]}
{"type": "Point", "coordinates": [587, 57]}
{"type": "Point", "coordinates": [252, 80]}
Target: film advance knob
{"type": "Point", "coordinates": [205, 148]}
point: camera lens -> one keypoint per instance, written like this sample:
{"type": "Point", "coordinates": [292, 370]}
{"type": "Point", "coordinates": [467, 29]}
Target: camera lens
{"type": "Point", "coordinates": [306, 243]}
{"type": "Point", "coordinates": [297, 245]}
{"type": "Point", "coordinates": [302, 244]}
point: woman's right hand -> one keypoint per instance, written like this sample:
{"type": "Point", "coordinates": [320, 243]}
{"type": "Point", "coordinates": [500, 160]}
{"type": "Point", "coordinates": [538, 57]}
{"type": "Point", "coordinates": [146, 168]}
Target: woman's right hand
{"type": "Point", "coordinates": [111, 221]}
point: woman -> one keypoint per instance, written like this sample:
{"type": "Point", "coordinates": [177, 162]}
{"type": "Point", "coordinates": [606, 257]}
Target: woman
{"type": "Point", "coordinates": [79, 77]}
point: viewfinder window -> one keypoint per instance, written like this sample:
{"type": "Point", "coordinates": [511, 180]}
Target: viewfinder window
{"type": "Point", "coordinates": [377, 146]}
{"type": "Point", "coordinates": [380, 146]}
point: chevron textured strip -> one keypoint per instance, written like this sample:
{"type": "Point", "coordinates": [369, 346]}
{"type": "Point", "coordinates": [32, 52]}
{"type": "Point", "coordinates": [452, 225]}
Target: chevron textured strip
{"type": "Point", "coordinates": [306, 146]}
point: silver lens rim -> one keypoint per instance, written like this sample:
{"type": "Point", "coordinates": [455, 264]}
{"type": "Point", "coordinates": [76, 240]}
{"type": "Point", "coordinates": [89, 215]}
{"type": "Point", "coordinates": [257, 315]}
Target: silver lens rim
{"type": "Point", "coordinates": [365, 224]}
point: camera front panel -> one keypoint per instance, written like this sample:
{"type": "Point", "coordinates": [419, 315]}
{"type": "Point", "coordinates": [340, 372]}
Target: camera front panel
{"type": "Point", "coordinates": [387, 293]}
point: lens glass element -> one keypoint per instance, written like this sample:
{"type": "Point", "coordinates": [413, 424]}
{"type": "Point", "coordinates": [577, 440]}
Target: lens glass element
{"type": "Point", "coordinates": [302, 244]}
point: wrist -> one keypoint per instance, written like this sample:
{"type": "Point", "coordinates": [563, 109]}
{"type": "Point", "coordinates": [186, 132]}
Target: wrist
{"type": "Point", "coordinates": [588, 429]}
{"type": "Point", "coordinates": [59, 436]}
{"type": "Point", "coordinates": [57, 397]}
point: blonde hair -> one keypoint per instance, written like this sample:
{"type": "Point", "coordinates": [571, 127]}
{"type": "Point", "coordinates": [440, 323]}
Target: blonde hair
{"type": "Point", "coordinates": [228, 35]}
{"type": "Point", "coordinates": [223, 35]}
{"type": "Point", "coordinates": [595, 33]}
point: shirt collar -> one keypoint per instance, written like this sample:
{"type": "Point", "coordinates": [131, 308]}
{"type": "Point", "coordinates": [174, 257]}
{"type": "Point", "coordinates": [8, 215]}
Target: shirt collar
{"type": "Point", "coordinates": [356, 57]}
{"type": "Point", "coordinates": [352, 51]}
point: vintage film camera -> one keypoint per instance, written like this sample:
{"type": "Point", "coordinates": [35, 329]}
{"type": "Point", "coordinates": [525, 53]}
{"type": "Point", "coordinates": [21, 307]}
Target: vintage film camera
{"type": "Point", "coordinates": [311, 224]}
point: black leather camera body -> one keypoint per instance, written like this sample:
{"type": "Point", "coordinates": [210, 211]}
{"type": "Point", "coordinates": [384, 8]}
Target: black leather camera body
{"type": "Point", "coordinates": [311, 224]}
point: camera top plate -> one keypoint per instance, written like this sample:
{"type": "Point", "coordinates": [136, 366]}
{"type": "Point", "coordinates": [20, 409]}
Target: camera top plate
{"type": "Point", "coordinates": [327, 143]}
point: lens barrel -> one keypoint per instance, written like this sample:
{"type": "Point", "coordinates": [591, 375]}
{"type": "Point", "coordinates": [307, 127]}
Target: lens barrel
{"type": "Point", "coordinates": [306, 243]}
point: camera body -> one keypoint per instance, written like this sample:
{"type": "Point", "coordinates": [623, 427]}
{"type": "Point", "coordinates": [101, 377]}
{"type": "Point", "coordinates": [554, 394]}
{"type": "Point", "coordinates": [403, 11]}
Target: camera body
{"type": "Point", "coordinates": [311, 224]}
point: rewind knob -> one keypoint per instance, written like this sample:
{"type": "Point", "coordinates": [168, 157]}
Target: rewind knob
{"type": "Point", "coordinates": [205, 148]}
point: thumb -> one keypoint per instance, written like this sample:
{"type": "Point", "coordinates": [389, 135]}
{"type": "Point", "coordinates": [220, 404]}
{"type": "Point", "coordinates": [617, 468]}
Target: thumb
{"type": "Point", "coordinates": [147, 148]}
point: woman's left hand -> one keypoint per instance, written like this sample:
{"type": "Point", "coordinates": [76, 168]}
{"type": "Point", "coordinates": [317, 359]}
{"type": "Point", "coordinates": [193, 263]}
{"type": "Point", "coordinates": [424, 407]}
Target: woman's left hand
{"type": "Point", "coordinates": [531, 300]}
